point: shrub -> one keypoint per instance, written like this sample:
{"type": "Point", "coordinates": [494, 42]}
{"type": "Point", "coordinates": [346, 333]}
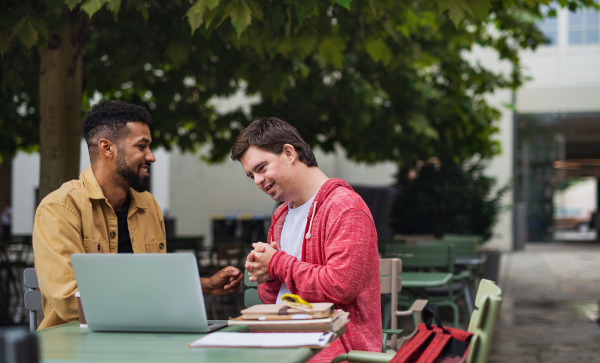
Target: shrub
{"type": "Point", "coordinates": [440, 198]}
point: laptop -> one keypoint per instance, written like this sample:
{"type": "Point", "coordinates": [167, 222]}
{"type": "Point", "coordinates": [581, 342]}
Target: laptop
{"type": "Point", "coordinates": [155, 292]}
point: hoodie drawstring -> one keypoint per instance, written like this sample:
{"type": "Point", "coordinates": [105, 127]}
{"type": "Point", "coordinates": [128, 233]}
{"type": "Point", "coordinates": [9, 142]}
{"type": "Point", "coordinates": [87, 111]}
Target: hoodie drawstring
{"type": "Point", "coordinates": [311, 220]}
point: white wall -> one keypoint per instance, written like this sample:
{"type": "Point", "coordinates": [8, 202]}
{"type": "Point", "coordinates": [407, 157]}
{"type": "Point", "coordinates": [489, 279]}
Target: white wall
{"type": "Point", "coordinates": [160, 174]}
{"type": "Point", "coordinates": [26, 175]}
{"type": "Point", "coordinates": [565, 78]}
{"type": "Point", "coordinates": [199, 189]}
{"type": "Point", "coordinates": [501, 166]}
{"type": "Point", "coordinates": [25, 179]}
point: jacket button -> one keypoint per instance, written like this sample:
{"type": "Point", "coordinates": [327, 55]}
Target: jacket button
{"type": "Point", "coordinates": [112, 234]}
{"type": "Point", "coordinates": [161, 245]}
{"type": "Point", "coordinates": [99, 248]}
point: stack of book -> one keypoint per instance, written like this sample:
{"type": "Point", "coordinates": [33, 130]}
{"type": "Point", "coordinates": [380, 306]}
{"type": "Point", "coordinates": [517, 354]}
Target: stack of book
{"type": "Point", "coordinates": [322, 317]}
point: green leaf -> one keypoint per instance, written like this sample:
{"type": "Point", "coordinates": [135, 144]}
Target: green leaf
{"type": "Point", "coordinates": [92, 6]}
{"type": "Point", "coordinates": [422, 126]}
{"type": "Point", "coordinates": [211, 4]}
{"type": "Point", "coordinates": [210, 15]}
{"type": "Point", "coordinates": [344, 3]}
{"type": "Point", "coordinates": [285, 46]}
{"type": "Point", "coordinates": [256, 10]}
{"type": "Point", "coordinates": [114, 6]}
{"type": "Point", "coordinates": [331, 51]}
{"type": "Point", "coordinates": [72, 3]}
{"type": "Point", "coordinates": [18, 27]}
{"type": "Point", "coordinates": [306, 9]}
{"type": "Point", "coordinates": [240, 14]}
{"type": "Point", "coordinates": [306, 43]}
{"type": "Point", "coordinates": [479, 8]}
{"type": "Point", "coordinates": [5, 43]}
{"type": "Point", "coordinates": [178, 54]}
{"type": "Point", "coordinates": [456, 11]}
{"type": "Point", "coordinates": [25, 31]}
{"type": "Point", "coordinates": [379, 51]}
{"type": "Point", "coordinates": [141, 7]}
{"type": "Point", "coordinates": [41, 26]}
{"type": "Point", "coordinates": [195, 15]}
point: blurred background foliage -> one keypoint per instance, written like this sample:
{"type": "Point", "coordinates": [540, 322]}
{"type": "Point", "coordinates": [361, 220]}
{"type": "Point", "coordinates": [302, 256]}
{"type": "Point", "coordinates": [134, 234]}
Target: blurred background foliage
{"type": "Point", "coordinates": [386, 80]}
{"type": "Point", "coordinates": [438, 198]}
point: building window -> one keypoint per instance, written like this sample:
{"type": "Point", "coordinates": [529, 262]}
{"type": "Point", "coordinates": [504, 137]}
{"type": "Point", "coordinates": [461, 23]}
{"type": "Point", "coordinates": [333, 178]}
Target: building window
{"type": "Point", "coordinates": [584, 27]}
{"type": "Point", "coordinates": [549, 26]}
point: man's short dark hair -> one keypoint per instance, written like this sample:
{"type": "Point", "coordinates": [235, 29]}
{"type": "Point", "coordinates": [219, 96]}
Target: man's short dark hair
{"type": "Point", "coordinates": [270, 134]}
{"type": "Point", "coordinates": [109, 120]}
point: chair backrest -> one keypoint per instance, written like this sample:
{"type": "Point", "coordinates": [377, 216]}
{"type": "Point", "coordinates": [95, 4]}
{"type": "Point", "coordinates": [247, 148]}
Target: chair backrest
{"type": "Point", "coordinates": [251, 294]}
{"type": "Point", "coordinates": [32, 298]}
{"type": "Point", "coordinates": [185, 244]}
{"type": "Point", "coordinates": [483, 321]}
{"type": "Point", "coordinates": [450, 237]}
{"type": "Point", "coordinates": [424, 256]}
{"type": "Point", "coordinates": [462, 247]}
{"type": "Point", "coordinates": [391, 284]}
{"type": "Point", "coordinates": [389, 269]}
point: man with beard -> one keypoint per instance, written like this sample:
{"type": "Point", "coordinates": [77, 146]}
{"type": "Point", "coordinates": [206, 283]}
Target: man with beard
{"type": "Point", "coordinates": [106, 211]}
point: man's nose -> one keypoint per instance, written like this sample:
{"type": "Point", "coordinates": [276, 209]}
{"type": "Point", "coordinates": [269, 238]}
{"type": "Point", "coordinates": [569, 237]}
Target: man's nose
{"type": "Point", "coordinates": [258, 179]}
{"type": "Point", "coordinates": [150, 157]}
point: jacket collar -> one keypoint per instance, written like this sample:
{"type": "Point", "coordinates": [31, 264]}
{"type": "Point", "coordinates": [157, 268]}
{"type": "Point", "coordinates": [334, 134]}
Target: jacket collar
{"type": "Point", "coordinates": [94, 191]}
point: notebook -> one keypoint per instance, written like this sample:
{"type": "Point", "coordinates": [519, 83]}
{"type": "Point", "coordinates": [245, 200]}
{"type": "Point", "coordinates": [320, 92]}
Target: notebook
{"type": "Point", "coordinates": [318, 310]}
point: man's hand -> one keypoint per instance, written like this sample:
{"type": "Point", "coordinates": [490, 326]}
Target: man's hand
{"type": "Point", "coordinates": [225, 281]}
{"type": "Point", "coordinates": [257, 262]}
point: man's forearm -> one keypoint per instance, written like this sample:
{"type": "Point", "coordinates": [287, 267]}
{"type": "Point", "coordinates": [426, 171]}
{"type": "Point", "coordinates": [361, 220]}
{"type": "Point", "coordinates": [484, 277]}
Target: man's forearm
{"type": "Point", "coordinates": [206, 289]}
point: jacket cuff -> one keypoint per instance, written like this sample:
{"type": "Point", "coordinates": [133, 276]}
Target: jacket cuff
{"type": "Point", "coordinates": [278, 265]}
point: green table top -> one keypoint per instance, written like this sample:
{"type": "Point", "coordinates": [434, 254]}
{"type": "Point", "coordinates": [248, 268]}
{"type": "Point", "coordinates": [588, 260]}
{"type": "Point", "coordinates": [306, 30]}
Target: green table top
{"type": "Point", "coordinates": [425, 279]}
{"type": "Point", "coordinates": [70, 343]}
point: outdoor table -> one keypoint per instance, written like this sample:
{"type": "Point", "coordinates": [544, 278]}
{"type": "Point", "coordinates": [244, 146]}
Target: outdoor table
{"type": "Point", "coordinates": [71, 343]}
{"type": "Point", "coordinates": [468, 288]}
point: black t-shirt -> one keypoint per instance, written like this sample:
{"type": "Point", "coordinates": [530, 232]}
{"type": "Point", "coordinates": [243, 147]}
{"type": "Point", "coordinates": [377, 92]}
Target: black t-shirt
{"type": "Point", "coordinates": [124, 239]}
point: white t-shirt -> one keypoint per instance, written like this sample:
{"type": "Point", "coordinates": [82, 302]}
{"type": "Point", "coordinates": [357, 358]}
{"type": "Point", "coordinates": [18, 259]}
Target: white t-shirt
{"type": "Point", "coordinates": [292, 236]}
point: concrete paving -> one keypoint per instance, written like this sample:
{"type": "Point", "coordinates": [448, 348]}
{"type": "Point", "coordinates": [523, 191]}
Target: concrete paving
{"type": "Point", "coordinates": [551, 295]}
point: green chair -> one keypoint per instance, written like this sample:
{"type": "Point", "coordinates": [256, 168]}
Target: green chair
{"type": "Point", "coordinates": [483, 322]}
{"type": "Point", "coordinates": [452, 237]}
{"type": "Point", "coordinates": [251, 293]}
{"type": "Point", "coordinates": [425, 258]}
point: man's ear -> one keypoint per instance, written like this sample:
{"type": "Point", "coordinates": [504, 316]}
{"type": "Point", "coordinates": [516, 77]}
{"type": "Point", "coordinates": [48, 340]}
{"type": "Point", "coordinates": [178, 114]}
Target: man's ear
{"type": "Point", "coordinates": [107, 149]}
{"type": "Point", "coordinates": [290, 152]}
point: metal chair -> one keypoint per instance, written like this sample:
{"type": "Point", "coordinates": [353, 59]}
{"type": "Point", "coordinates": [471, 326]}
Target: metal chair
{"type": "Point", "coordinates": [251, 293]}
{"type": "Point", "coordinates": [426, 258]}
{"type": "Point", "coordinates": [391, 284]}
{"type": "Point", "coordinates": [33, 297]}
{"type": "Point", "coordinates": [483, 322]}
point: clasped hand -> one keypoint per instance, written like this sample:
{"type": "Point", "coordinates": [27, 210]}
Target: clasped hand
{"type": "Point", "coordinates": [257, 262]}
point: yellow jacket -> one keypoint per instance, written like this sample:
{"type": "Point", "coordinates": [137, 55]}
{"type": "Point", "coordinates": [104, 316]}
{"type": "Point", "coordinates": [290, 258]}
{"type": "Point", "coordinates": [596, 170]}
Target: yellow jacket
{"type": "Point", "coordinates": [77, 218]}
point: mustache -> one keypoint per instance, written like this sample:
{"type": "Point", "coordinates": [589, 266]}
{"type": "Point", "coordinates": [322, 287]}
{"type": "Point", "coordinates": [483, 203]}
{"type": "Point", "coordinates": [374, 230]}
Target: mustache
{"type": "Point", "coordinates": [145, 164]}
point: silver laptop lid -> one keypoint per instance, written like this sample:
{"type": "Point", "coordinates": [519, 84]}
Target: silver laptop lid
{"type": "Point", "coordinates": [141, 292]}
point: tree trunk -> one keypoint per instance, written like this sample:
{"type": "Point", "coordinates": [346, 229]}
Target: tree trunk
{"type": "Point", "coordinates": [60, 104]}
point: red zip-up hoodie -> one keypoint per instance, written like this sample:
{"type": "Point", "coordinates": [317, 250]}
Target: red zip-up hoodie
{"type": "Point", "coordinates": [340, 264]}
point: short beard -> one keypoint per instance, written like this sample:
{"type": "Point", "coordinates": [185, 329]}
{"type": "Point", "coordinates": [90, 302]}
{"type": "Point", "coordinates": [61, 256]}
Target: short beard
{"type": "Point", "coordinates": [131, 176]}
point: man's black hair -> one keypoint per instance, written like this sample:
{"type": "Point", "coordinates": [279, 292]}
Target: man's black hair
{"type": "Point", "coordinates": [109, 120]}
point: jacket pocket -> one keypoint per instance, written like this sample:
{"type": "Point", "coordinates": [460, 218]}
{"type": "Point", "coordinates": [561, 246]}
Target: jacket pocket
{"type": "Point", "coordinates": [156, 247]}
{"type": "Point", "coordinates": [92, 246]}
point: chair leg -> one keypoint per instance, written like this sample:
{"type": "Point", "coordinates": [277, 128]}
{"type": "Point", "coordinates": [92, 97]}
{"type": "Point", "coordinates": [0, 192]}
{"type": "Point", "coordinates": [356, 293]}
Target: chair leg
{"type": "Point", "coordinates": [456, 314]}
{"type": "Point", "coordinates": [386, 316]}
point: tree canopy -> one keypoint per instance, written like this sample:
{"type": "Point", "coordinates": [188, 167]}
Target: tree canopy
{"type": "Point", "coordinates": [386, 80]}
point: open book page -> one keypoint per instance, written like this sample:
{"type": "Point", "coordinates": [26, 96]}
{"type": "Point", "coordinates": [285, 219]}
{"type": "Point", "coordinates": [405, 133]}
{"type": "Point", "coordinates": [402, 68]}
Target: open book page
{"type": "Point", "coordinates": [263, 340]}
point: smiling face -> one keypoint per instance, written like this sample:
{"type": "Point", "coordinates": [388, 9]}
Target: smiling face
{"type": "Point", "coordinates": [272, 173]}
{"type": "Point", "coordinates": [134, 156]}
